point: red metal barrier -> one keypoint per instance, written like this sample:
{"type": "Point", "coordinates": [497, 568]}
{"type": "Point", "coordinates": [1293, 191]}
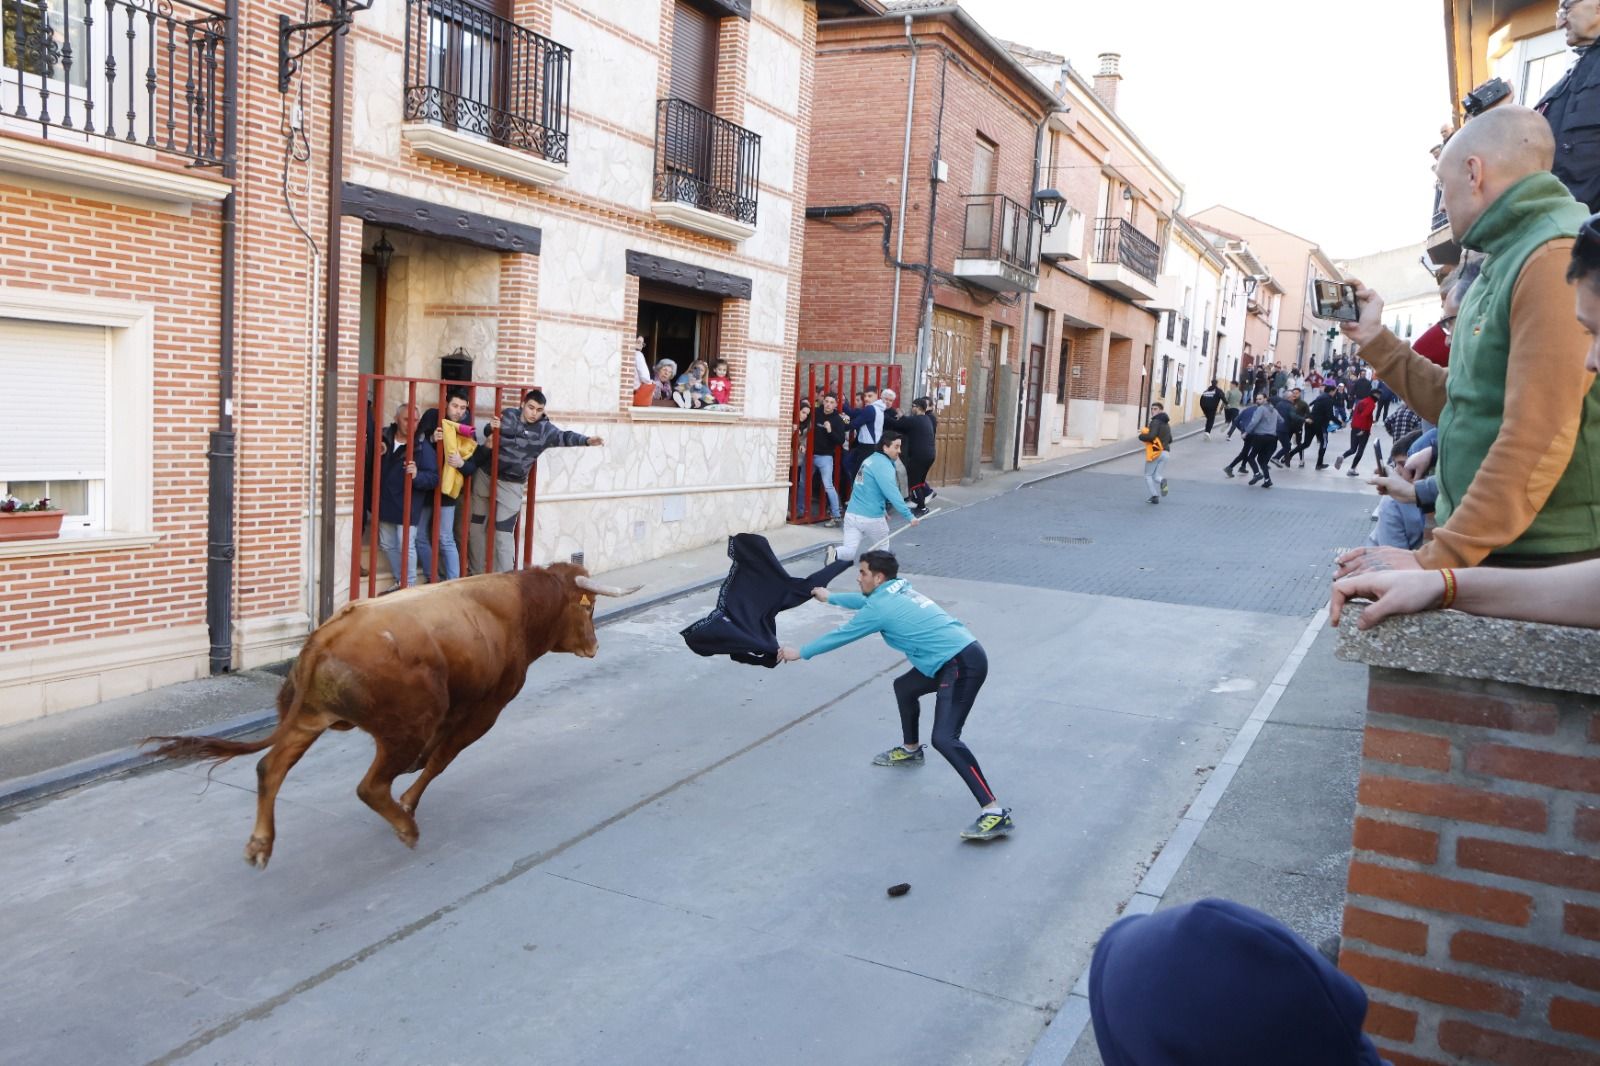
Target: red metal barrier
{"type": "Point", "coordinates": [385, 393]}
{"type": "Point", "coordinates": [808, 502]}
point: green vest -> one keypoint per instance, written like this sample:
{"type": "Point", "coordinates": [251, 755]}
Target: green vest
{"type": "Point", "coordinates": [1536, 210]}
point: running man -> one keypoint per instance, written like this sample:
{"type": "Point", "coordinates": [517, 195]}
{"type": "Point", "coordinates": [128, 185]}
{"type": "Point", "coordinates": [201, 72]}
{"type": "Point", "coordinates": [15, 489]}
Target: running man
{"type": "Point", "coordinates": [945, 659]}
{"type": "Point", "coordinates": [875, 489]}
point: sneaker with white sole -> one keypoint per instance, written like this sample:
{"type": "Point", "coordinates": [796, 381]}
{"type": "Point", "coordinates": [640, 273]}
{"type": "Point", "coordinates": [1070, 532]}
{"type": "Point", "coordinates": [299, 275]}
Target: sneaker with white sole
{"type": "Point", "coordinates": [899, 756]}
{"type": "Point", "coordinates": [989, 826]}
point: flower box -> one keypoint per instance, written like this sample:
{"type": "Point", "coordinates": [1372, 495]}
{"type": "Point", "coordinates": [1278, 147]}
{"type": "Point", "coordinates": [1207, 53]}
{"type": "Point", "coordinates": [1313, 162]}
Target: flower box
{"type": "Point", "coordinates": [30, 525]}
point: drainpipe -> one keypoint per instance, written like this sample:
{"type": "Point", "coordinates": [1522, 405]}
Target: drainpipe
{"type": "Point", "coordinates": [1026, 348]}
{"type": "Point", "coordinates": [925, 301]}
{"type": "Point", "coordinates": [330, 339]}
{"type": "Point", "coordinates": [220, 453]}
{"type": "Point", "coordinates": [905, 173]}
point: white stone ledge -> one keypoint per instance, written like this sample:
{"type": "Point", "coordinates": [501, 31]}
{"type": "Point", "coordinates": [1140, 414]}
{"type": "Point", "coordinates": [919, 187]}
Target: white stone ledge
{"type": "Point", "coordinates": [35, 682]}
{"type": "Point", "coordinates": [703, 222]}
{"type": "Point", "coordinates": [682, 490]}
{"type": "Point", "coordinates": [452, 146]}
{"type": "Point", "coordinates": [1454, 644]}
{"type": "Point", "coordinates": [93, 170]}
{"type": "Point", "coordinates": [86, 542]}
{"type": "Point", "coordinates": [682, 414]}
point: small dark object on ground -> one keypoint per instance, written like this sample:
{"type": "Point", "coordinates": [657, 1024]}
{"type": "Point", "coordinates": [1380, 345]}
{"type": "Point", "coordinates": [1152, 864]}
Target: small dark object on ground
{"type": "Point", "coordinates": [899, 890]}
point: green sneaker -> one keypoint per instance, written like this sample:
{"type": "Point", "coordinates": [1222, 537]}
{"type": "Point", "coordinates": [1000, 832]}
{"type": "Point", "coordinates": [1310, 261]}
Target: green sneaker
{"type": "Point", "coordinates": [899, 756]}
{"type": "Point", "coordinates": [989, 826]}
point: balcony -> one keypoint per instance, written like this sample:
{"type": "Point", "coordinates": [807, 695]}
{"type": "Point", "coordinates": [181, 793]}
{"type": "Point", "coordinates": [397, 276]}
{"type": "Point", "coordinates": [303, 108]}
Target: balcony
{"type": "Point", "coordinates": [1124, 260]}
{"type": "Point", "coordinates": [1000, 245]}
{"type": "Point", "coordinates": [706, 172]}
{"type": "Point", "coordinates": [1441, 244]}
{"type": "Point", "coordinates": [1065, 240]}
{"type": "Point", "coordinates": [1168, 294]}
{"type": "Point", "coordinates": [138, 81]}
{"type": "Point", "coordinates": [483, 92]}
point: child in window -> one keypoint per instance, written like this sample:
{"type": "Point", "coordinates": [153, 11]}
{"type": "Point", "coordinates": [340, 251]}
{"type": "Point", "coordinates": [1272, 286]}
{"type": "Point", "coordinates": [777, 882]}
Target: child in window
{"type": "Point", "coordinates": [720, 384]}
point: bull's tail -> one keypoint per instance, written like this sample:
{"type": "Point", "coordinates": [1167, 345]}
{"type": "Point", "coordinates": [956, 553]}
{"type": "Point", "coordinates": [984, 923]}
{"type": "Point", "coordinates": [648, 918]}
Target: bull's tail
{"type": "Point", "coordinates": [206, 747]}
{"type": "Point", "coordinates": [222, 750]}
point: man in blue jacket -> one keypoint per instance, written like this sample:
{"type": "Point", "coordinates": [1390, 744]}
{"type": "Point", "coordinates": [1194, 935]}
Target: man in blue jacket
{"type": "Point", "coordinates": [876, 489]}
{"type": "Point", "coordinates": [945, 660]}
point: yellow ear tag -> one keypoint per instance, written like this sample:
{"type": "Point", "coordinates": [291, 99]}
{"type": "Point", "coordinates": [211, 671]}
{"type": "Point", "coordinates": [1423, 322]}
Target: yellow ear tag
{"type": "Point", "coordinates": [585, 601]}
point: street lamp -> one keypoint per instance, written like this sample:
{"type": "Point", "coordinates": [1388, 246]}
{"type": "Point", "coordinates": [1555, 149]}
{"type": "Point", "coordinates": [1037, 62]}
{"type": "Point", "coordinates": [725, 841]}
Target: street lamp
{"type": "Point", "coordinates": [383, 254]}
{"type": "Point", "coordinates": [1049, 204]}
{"type": "Point", "coordinates": [1250, 283]}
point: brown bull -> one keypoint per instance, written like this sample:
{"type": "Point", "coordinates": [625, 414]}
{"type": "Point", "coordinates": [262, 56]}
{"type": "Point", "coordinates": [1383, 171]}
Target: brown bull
{"type": "Point", "coordinates": [425, 671]}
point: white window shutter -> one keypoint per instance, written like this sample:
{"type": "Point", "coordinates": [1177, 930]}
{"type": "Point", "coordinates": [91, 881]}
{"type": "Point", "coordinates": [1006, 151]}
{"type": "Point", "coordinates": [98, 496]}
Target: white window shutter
{"type": "Point", "coordinates": [53, 400]}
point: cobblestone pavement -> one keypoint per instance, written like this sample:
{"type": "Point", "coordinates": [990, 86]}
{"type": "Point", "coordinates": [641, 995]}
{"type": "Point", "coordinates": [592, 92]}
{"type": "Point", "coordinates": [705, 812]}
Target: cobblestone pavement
{"type": "Point", "coordinates": [1207, 544]}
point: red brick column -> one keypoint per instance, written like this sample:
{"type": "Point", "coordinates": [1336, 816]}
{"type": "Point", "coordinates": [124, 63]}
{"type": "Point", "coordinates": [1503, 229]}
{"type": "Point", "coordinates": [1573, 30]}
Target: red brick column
{"type": "Point", "coordinates": [515, 353]}
{"type": "Point", "coordinates": [1473, 915]}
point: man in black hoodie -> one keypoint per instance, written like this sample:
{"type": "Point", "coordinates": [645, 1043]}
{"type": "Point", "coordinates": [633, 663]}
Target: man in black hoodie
{"type": "Point", "coordinates": [1157, 437]}
{"type": "Point", "coordinates": [1214, 983]}
{"type": "Point", "coordinates": [1323, 409]}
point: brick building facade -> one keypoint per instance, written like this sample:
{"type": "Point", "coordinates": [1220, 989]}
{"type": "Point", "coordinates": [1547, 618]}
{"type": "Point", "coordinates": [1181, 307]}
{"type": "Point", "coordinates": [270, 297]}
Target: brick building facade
{"type": "Point", "coordinates": [544, 180]}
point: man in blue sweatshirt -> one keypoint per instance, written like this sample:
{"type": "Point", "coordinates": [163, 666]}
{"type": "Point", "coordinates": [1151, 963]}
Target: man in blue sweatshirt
{"type": "Point", "coordinates": [875, 489]}
{"type": "Point", "coordinates": [945, 659]}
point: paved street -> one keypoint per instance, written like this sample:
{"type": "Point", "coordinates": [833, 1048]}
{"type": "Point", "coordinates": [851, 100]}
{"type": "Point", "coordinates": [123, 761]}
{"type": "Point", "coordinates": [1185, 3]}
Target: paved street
{"type": "Point", "coordinates": [657, 858]}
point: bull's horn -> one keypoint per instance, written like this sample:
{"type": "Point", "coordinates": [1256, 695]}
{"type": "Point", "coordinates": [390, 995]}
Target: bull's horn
{"type": "Point", "coordinates": [604, 590]}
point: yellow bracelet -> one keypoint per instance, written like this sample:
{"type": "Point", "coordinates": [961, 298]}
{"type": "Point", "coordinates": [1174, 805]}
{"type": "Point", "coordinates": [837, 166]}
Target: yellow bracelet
{"type": "Point", "coordinates": [1449, 589]}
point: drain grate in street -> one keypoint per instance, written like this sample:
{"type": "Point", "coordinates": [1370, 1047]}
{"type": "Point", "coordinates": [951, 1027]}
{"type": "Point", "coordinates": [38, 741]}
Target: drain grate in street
{"type": "Point", "coordinates": [1067, 540]}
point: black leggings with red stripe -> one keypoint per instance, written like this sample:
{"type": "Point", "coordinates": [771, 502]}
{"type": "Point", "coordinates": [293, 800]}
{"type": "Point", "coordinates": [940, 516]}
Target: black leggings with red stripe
{"type": "Point", "coordinates": [957, 686]}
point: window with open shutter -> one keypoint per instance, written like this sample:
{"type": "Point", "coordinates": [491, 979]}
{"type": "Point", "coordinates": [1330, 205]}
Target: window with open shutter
{"type": "Point", "coordinates": [53, 396]}
{"type": "Point", "coordinates": [694, 56]}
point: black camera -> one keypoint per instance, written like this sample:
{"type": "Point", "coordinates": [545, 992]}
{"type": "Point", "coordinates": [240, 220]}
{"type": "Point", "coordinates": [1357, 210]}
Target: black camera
{"type": "Point", "coordinates": [1485, 96]}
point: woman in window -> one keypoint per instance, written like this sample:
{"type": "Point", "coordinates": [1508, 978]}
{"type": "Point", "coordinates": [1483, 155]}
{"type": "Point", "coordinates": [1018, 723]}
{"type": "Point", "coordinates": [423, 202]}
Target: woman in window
{"type": "Point", "coordinates": [666, 370]}
{"type": "Point", "coordinates": [692, 390]}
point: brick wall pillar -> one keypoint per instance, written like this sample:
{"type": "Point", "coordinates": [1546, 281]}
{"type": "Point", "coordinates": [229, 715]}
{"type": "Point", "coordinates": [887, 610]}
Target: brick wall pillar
{"type": "Point", "coordinates": [1473, 914]}
{"type": "Point", "coordinates": [515, 350]}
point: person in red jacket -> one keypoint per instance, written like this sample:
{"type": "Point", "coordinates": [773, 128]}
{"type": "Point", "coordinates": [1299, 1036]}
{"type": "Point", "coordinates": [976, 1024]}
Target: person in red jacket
{"type": "Point", "coordinates": [1360, 431]}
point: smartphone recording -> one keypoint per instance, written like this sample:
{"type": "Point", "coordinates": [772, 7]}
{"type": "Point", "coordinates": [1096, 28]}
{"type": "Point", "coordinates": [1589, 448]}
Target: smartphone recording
{"type": "Point", "coordinates": [1337, 300]}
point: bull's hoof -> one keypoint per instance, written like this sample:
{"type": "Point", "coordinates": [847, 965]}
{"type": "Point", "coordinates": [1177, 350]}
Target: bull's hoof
{"type": "Point", "coordinates": [407, 837]}
{"type": "Point", "coordinates": [258, 852]}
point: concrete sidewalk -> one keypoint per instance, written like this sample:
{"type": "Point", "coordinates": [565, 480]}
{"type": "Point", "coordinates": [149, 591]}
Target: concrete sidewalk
{"type": "Point", "coordinates": [1278, 838]}
{"type": "Point", "coordinates": [61, 751]}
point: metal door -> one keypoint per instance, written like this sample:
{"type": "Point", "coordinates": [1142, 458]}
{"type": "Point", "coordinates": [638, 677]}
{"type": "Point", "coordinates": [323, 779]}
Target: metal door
{"type": "Point", "coordinates": [808, 501]}
{"type": "Point", "coordinates": [952, 353]}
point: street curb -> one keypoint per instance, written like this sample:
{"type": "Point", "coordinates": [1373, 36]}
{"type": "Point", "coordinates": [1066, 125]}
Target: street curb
{"type": "Point", "coordinates": [1064, 1029]}
{"type": "Point", "coordinates": [125, 760]}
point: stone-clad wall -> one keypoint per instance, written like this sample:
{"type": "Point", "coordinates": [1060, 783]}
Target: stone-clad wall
{"type": "Point", "coordinates": [1473, 915]}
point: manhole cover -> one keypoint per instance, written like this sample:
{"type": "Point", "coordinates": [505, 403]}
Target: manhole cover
{"type": "Point", "coordinates": [1068, 540]}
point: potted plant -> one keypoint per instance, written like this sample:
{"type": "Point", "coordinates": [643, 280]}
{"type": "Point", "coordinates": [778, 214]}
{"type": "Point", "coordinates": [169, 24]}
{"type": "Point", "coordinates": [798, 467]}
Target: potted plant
{"type": "Point", "coordinates": [29, 521]}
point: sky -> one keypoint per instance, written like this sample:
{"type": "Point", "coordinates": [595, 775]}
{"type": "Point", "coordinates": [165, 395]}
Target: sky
{"type": "Point", "coordinates": [1316, 118]}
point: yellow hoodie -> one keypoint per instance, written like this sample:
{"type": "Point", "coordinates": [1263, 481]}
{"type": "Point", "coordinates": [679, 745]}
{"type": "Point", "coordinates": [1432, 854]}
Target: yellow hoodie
{"type": "Point", "coordinates": [460, 445]}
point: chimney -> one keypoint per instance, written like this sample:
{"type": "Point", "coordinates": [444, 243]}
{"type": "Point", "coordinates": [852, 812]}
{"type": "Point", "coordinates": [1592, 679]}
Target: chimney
{"type": "Point", "coordinates": [1105, 82]}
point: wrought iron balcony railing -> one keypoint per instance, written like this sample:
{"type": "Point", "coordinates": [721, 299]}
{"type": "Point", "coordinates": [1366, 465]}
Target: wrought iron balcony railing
{"type": "Point", "coordinates": [997, 227]}
{"type": "Point", "coordinates": [478, 73]}
{"type": "Point", "coordinates": [1117, 241]}
{"type": "Point", "coordinates": [1440, 218]}
{"type": "Point", "coordinates": [706, 161]}
{"type": "Point", "coordinates": [139, 72]}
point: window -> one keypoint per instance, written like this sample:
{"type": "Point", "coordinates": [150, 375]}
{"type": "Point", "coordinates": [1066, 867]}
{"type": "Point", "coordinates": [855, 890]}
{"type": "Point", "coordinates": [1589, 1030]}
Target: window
{"type": "Point", "coordinates": [54, 385]}
{"type": "Point", "coordinates": [49, 346]}
{"type": "Point", "coordinates": [694, 56]}
{"type": "Point", "coordinates": [1172, 325]}
{"type": "Point", "coordinates": [980, 213]}
{"type": "Point", "coordinates": [39, 39]}
{"type": "Point", "coordinates": [1185, 341]}
{"type": "Point", "coordinates": [681, 325]}
{"type": "Point", "coordinates": [1166, 367]}
{"type": "Point", "coordinates": [1205, 343]}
